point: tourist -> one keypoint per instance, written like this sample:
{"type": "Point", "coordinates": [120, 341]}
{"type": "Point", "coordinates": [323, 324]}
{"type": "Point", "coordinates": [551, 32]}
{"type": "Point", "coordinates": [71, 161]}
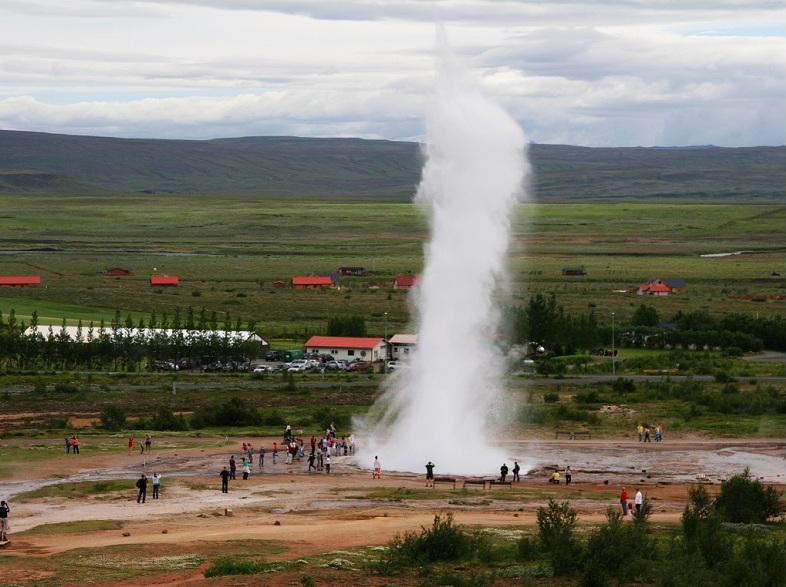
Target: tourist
{"type": "Point", "coordinates": [275, 452]}
{"type": "Point", "coordinates": [568, 475]}
{"type": "Point", "coordinates": [377, 469]}
{"type": "Point", "coordinates": [224, 480]}
{"type": "Point", "coordinates": [658, 433]}
{"type": "Point", "coordinates": [327, 463]}
{"type": "Point", "coordinates": [75, 445]}
{"type": "Point", "coordinates": [624, 501]}
{"type": "Point", "coordinates": [429, 473]}
{"type": "Point", "coordinates": [67, 445]}
{"type": "Point", "coordinates": [261, 458]}
{"type": "Point", "coordinates": [141, 484]}
{"type": "Point", "coordinates": [130, 445]}
{"type": "Point", "coordinates": [516, 471]}
{"type": "Point", "coordinates": [148, 443]}
{"type": "Point", "coordinates": [4, 527]}
{"type": "Point", "coordinates": [639, 500]}
{"type": "Point", "coordinates": [311, 459]}
{"type": "Point", "coordinates": [246, 469]}
{"type": "Point", "coordinates": [503, 472]}
{"type": "Point", "coordinates": [250, 454]}
{"type": "Point", "coordinates": [647, 434]}
{"type": "Point", "coordinates": [232, 467]}
{"type": "Point", "coordinates": [156, 484]}
{"type": "Point", "coordinates": [640, 432]}
{"type": "Point", "coordinates": [554, 477]}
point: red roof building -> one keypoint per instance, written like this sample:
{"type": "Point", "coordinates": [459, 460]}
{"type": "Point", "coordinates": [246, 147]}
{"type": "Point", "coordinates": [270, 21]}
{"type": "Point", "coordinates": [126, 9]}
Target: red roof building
{"type": "Point", "coordinates": [405, 281]}
{"type": "Point", "coordinates": [19, 280]}
{"type": "Point", "coordinates": [164, 281]}
{"type": "Point", "coordinates": [312, 282]}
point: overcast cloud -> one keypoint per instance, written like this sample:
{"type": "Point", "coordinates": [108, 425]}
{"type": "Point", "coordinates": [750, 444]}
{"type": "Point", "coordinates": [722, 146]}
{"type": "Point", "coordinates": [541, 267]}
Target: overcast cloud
{"type": "Point", "coordinates": [582, 72]}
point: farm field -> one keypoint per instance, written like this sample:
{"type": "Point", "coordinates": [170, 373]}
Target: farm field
{"type": "Point", "coordinates": [228, 251]}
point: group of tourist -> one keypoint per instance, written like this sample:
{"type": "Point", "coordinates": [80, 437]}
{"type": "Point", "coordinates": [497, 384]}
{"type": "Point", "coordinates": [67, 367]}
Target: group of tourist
{"type": "Point", "coordinates": [141, 485]}
{"type": "Point", "coordinates": [145, 446]}
{"type": "Point", "coordinates": [644, 434]}
{"type": "Point", "coordinates": [638, 501]}
{"type": "Point", "coordinates": [72, 445]}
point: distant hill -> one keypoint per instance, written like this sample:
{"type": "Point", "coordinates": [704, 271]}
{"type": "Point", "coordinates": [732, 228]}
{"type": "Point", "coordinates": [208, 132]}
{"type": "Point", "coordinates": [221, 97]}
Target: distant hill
{"type": "Point", "coordinates": [40, 163]}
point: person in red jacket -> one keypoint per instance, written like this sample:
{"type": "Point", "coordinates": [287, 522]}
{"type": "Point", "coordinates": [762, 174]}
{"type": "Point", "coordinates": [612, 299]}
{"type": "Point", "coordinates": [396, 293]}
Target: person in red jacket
{"type": "Point", "coordinates": [624, 502]}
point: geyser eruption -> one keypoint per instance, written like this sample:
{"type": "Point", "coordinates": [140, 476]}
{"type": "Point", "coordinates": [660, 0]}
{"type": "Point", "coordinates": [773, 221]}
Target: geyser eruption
{"type": "Point", "coordinates": [444, 407]}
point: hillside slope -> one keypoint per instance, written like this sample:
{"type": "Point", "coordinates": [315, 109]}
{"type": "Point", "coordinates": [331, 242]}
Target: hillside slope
{"type": "Point", "coordinates": [40, 163]}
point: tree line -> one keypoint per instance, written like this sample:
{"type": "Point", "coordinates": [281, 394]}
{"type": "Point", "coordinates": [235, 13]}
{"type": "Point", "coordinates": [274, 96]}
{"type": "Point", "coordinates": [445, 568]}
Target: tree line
{"type": "Point", "coordinates": [542, 320]}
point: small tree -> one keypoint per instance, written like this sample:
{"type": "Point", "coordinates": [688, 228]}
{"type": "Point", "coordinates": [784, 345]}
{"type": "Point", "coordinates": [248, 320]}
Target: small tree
{"type": "Point", "coordinates": [557, 527]}
{"type": "Point", "coordinates": [743, 499]}
{"type": "Point", "coordinates": [113, 417]}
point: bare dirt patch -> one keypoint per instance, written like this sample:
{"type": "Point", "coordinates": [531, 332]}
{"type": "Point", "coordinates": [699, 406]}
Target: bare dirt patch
{"type": "Point", "coordinates": [307, 513]}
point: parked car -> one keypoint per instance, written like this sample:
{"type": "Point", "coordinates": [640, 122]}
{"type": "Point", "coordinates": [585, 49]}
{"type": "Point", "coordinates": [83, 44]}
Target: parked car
{"type": "Point", "coordinates": [273, 356]}
{"type": "Point", "coordinates": [332, 366]}
{"type": "Point", "coordinates": [299, 368]}
{"type": "Point", "coordinates": [358, 366]}
{"type": "Point", "coordinates": [393, 365]}
{"type": "Point", "coordinates": [263, 369]}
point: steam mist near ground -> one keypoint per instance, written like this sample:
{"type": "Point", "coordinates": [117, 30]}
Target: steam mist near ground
{"type": "Point", "coordinates": [444, 407]}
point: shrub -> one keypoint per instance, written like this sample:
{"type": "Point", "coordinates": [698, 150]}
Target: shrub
{"type": "Point", "coordinates": [743, 499]}
{"type": "Point", "coordinates": [113, 417]}
{"type": "Point", "coordinates": [557, 527]}
{"type": "Point", "coordinates": [443, 541]}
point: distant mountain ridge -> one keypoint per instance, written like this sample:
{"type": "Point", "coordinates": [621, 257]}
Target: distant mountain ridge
{"type": "Point", "coordinates": [41, 163]}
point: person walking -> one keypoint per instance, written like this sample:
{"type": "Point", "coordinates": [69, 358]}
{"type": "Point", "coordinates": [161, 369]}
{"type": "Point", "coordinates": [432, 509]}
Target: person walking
{"type": "Point", "coordinates": [503, 472]}
{"type": "Point", "coordinates": [148, 443]}
{"type": "Point", "coordinates": [130, 445]}
{"type": "Point", "coordinates": [246, 469]}
{"type": "Point", "coordinates": [224, 480]}
{"type": "Point", "coordinates": [640, 432]}
{"type": "Point", "coordinates": [327, 463]}
{"type": "Point", "coordinates": [311, 458]}
{"type": "Point", "coordinates": [647, 434]}
{"type": "Point", "coordinates": [261, 458]}
{"type": "Point", "coordinates": [5, 511]}
{"type": "Point", "coordinates": [156, 484]}
{"type": "Point", "coordinates": [624, 501]}
{"type": "Point", "coordinates": [232, 467]}
{"type": "Point", "coordinates": [638, 500]}
{"type": "Point", "coordinates": [377, 469]}
{"type": "Point", "coordinates": [430, 474]}
{"type": "Point", "coordinates": [275, 452]}
{"type": "Point", "coordinates": [568, 475]}
{"type": "Point", "coordinates": [141, 484]}
{"type": "Point", "coordinates": [67, 445]}
{"type": "Point", "coordinates": [516, 471]}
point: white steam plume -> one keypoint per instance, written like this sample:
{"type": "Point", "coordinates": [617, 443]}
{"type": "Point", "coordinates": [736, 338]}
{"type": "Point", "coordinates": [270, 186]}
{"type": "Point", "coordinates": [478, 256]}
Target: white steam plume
{"type": "Point", "coordinates": [442, 408]}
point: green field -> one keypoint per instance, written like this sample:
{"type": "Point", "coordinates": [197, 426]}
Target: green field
{"type": "Point", "coordinates": [227, 253]}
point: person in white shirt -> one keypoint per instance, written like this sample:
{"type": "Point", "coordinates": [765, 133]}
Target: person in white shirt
{"type": "Point", "coordinates": [639, 500]}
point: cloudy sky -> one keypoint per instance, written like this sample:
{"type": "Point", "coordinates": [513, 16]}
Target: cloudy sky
{"type": "Point", "coordinates": [581, 72]}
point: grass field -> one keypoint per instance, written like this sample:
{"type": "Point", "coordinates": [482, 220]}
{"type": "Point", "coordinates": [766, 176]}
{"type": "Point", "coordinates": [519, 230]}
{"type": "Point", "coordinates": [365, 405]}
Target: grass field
{"type": "Point", "coordinates": [227, 253]}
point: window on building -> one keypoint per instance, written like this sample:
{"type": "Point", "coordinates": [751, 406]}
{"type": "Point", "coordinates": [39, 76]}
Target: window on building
{"type": "Point", "coordinates": [351, 353]}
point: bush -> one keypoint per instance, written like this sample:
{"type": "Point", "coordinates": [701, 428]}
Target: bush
{"type": "Point", "coordinates": [743, 499]}
{"type": "Point", "coordinates": [113, 417]}
{"type": "Point", "coordinates": [557, 527]}
{"type": "Point", "coordinates": [444, 541]}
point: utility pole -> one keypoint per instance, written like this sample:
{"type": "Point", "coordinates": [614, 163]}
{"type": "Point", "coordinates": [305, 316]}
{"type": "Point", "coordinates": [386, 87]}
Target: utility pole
{"type": "Point", "coordinates": [613, 348]}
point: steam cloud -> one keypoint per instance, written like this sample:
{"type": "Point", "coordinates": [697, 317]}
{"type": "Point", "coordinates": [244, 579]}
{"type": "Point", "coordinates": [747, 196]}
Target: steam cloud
{"type": "Point", "coordinates": [445, 405]}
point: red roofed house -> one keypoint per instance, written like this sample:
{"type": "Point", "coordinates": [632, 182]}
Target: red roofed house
{"type": "Point", "coordinates": [19, 281]}
{"type": "Point", "coordinates": [405, 281]}
{"type": "Point", "coordinates": [349, 348]}
{"type": "Point", "coordinates": [163, 281]}
{"type": "Point", "coordinates": [662, 287]}
{"type": "Point", "coordinates": [312, 282]}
